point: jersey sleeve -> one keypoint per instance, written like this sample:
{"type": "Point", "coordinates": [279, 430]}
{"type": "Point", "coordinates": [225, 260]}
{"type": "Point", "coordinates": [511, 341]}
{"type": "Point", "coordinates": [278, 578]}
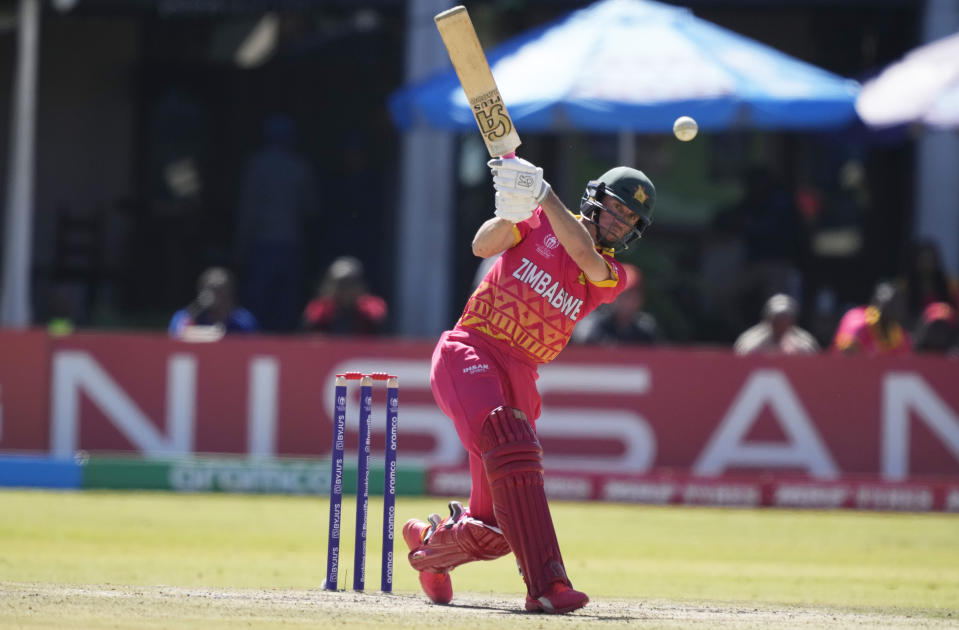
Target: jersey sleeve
{"type": "Point", "coordinates": [849, 330]}
{"type": "Point", "coordinates": [608, 290]}
{"type": "Point", "coordinates": [522, 229]}
{"type": "Point", "coordinates": [244, 321]}
{"type": "Point", "coordinates": [179, 321]}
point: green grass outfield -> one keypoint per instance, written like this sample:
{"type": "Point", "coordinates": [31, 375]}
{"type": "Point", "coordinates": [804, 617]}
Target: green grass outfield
{"type": "Point", "coordinates": [62, 547]}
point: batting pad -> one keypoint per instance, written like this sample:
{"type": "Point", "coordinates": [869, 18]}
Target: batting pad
{"type": "Point", "coordinates": [514, 467]}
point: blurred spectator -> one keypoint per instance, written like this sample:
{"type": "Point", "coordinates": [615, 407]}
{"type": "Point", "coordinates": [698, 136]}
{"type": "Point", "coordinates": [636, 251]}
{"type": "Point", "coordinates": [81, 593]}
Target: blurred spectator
{"type": "Point", "coordinates": [875, 329]}
{"type": "Point", "coordinates": [925, 281]}
{"type": "Point", "coordinates": [214, 312]}
{"type": "Point", "coordinates": [277, 203]}
{"type": "Point", "coordinates": [343, 305]}
{"type": "Point", "coordinates": [623, 321]}
{"type": "Point", "coordinates": [61, 309]}
{"type": "Point", "coordinates": [777, 333]}
{"type": "Point", "coordinates": [938, 330]}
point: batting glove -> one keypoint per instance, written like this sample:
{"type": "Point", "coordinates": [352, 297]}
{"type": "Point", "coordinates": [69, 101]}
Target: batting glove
{"type": "Point", "coordinates": [513, 208]}
{"type": "Point", "coordinates": [519, 177]}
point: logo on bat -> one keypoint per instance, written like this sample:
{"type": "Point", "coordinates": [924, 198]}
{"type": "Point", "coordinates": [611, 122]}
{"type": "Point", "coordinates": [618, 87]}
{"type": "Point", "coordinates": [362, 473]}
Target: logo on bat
{"type": "Point", "coordinates": [492, 118]}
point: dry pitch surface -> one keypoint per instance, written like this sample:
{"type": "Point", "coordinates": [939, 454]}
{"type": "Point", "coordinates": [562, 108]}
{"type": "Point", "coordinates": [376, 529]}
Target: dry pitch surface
{"type": "Point", "coordinates": [31, 606]}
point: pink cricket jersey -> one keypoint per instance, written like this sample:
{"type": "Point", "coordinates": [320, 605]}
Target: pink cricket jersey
{"type": "Point", "coordinates": [860, 326]}
{"type": "Point", "coordinates": [535, 293]}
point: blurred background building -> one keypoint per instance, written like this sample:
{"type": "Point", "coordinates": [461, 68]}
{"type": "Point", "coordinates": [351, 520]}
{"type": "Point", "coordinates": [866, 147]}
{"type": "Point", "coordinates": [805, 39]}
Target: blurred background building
{"type": "Point", "coordinates": [147, 112]}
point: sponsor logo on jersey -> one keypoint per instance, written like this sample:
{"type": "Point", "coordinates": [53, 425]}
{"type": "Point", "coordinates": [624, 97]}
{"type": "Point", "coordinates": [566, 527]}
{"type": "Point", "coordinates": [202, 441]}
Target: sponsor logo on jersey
{"type": "Point", "coordinates": [478, 368]}
{"type": "Point", "coordinates": [551, 291]}
{"type": "Point", "coordinates": [545, 249]}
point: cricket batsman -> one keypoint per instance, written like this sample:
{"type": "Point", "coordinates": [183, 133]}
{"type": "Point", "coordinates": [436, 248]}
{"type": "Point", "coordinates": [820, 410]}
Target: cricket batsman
{"type": "Point", "coordinates": [556, 267]}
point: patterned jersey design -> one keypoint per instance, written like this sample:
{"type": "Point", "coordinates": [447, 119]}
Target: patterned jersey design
{"type": "Point", "coordinates": [535, 293]}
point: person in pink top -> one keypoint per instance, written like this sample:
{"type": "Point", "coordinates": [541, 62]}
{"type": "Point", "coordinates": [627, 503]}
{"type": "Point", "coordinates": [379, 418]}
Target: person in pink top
{"type": "Point", "coordinates": [555, 268]}
{"type": "Point", "coordinates": [875, 329]}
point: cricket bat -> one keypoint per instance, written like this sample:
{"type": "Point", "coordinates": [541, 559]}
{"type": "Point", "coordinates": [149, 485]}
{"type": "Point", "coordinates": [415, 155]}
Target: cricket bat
{"type": "Point", "coordinates": [473, 70]}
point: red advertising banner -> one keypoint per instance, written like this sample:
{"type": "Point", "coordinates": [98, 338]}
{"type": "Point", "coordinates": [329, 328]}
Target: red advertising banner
{"type": "Point", "coordinates": [610, 411]}
{"type": "Point", "coordinates": [256, 395]}
{"type": "Point", "coordinates": [24, 390]}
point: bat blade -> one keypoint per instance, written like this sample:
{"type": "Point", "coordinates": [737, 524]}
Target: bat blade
{"type": "Point", "coordinates": [477, 81]}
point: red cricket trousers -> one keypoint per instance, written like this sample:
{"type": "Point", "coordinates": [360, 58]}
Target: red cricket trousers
{"type": "Point", "coordinates": [470, 376]}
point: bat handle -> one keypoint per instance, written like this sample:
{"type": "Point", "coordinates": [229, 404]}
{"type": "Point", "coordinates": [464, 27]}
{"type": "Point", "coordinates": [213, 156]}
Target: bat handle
{"type": "Point", "coordinates": [511, 154]}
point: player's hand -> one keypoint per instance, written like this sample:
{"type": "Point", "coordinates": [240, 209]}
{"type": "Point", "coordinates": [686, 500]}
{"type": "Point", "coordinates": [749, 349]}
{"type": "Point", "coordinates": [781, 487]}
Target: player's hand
{"type": "Point", "coordinates": [514, 208]}
{"type": "Point", "coordinates": [518, 177]}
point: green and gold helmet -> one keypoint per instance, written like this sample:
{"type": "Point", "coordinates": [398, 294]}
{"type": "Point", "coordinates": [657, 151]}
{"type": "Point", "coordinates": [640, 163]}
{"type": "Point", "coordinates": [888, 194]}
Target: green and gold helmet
{"type": "Point", "coordinates": [631, 187]}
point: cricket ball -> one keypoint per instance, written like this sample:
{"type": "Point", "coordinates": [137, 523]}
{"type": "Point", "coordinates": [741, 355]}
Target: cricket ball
{"type": "Point", "coordinates": [685, 128]}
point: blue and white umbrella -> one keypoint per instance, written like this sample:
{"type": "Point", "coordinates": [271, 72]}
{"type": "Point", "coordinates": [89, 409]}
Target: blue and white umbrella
{"type": "Point", "coordinates": [635, 65]}
{"type": "Point", "coordinates": [922, 87]}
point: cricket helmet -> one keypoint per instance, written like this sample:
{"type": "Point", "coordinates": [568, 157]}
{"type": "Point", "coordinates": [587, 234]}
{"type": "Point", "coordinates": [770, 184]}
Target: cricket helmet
{"type": "Point", "coordinates": [632, 188]}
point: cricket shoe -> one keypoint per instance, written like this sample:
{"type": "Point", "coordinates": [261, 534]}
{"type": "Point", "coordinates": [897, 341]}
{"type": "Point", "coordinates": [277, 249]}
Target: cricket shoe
{"type": "Point", "coordinates": [437, 586]}
{"type": "Point", "coordinates": [557, 599]}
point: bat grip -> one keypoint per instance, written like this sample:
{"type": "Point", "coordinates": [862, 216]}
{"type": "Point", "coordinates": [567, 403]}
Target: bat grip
{"type": "Point", "coordinates": [511, 154]}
